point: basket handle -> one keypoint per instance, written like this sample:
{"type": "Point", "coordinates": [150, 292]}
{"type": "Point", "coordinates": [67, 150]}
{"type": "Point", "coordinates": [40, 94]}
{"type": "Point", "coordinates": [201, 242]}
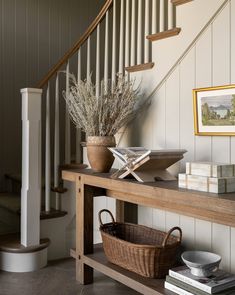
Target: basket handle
{"type": "Point", "coordinates": [107, 211]}
{"type": "Point", "coordinates": [169, 233]}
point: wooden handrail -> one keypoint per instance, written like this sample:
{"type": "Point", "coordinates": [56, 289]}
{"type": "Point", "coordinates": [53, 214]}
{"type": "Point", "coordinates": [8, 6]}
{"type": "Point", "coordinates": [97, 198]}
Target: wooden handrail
{"type": "Point", "coordinates": [77, 45]}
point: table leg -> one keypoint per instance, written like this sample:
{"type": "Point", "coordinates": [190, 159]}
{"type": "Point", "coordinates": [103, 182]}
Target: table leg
{"type": "Point", "coordinates": [84, 230]}
{"type": "Point", "coordinates": [120, 210]}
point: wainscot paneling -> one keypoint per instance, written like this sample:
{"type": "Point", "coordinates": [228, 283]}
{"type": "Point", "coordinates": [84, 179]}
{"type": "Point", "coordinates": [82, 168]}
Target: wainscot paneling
{"type": "Point", "coordinates": [187, 73]}
{"type": "Point", "coordinates": [159, 219]}
{"type": "Point", "coordinates": [203, 234]}
{"type": "Point", "coordinates": [158, 104]}
{"type": "Point", "coordinates": [221, 74]}
{"type": "Point", "coordinates": [232, 250]}
{"type": "Point", "coordinates": [172, 219]}
{"type": "Point", "coordinates": [221, 243]}
{"type": "Point", "coordinates": [209, 62]}
{"type": "Point", "coordinates": [203, 66]}
{"type": "Point", "coordinates": [187, 224]}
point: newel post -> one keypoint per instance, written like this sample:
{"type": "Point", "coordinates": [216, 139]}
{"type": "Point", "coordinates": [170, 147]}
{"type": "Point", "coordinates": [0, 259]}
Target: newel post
{"type": "Point", "coordinates": [31, 166]}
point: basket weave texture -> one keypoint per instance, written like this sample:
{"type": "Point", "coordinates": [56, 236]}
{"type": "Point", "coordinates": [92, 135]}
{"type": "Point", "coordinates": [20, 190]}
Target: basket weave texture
{"type": "Point", "coordinates": [143, 250]}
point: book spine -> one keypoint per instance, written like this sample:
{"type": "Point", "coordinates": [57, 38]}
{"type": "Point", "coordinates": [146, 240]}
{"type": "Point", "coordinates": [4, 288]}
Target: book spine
{"type": "Point", "coordinates": [190, 281]}
{"type": "Point", "coordinates": [184, 286]}
{"type": "Point", "coordinates": [176, 289]}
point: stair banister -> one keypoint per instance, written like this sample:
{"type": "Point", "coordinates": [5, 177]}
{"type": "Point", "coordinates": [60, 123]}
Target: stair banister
{"type": "Point", "coordinates": [77, 45]}
{"type": "Point", "coordinates": [57, 142]}
{"type": "Point", "coordinates": [162, 16]}
{"type": "Point", "coordinates": [133, 38]}
{"type": "Point", "coordinates": [121, 39]}
{"type": "Point", "coordinates": [133, 47]}
{"type": "Point", "coordinates": [170, 15]}
{"type": "Point", "coordinates": [114, 33]}
{"type": "Point", "coordinates": [154, 17]}
{"type": "Point", "coordinates": [48, 152]}
{"type": "Point", "coordinates": [139, 33]}
{"type": "Point", "coordinates": [78, 131]}
{"type": "Point", "coordinates": [67, 122]}
{"type": "Point", "coordinates": [88, 54]}
{"type": "Point", "coordinates": [146, 31]}
{"type": "Point", "coordinates": [106, 49]}
{"type": "Point", "coordinates": [97, 76]}
{"type": "Point", "coordinates": [127, 35]}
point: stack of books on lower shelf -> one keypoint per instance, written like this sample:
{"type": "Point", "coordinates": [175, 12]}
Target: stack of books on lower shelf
{"type": "Point", "coordinates": [182, 282]}
{"type": "Point", "coordinates": [208, 177]}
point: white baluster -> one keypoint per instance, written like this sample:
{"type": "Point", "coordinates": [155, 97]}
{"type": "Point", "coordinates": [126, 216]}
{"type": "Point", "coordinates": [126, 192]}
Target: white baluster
{"type": "Point", "coordinates": [139, 33]}
{"type": "Point", "coordinates": [48, 153]}
{"type": "Point", "coordinates": [170, 15]}
{"type": "Point", "coordinates": [98, 61]}
{"type": "Point", "coordinates": [79, 65]}
{"type": "Point", "coordinates": [121, 45]}
{"type": "Point", "coordinates": [133, 38]}
{"type": "Point", "coordinates": [154, 16]}
{"type": "Point", "coordinates": [127, 36]}
{"type": "Point", "coordinates": [57, 142]}
{"type": "Point", "coordinates": [88, 69]}
{"type": "Point", "coordinates": [106, 49]}
{"type": "Point", "coordinates": [67, 123]}
{"type": "Point", "coordinates": [78, 131]}
{"type": "Point", "coordinates": [162, 16]}
{"type": "Point", "coordinates": [114, 41]}
{"type": "Point", "coordinates": [146, 33]}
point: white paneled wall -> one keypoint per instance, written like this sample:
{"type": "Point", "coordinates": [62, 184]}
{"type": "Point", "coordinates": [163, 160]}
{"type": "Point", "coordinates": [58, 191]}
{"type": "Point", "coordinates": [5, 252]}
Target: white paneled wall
{"type": "Point", "coordinates": [210, 61]}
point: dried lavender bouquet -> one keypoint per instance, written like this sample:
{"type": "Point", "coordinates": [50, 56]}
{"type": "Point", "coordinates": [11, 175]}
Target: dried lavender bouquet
{"type": "Point", "coordinates": [104, 115]}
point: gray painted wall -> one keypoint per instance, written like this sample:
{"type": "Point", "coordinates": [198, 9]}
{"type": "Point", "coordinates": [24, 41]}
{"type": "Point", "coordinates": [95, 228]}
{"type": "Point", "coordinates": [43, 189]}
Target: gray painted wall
{"type": "Point", "coordinates": [34, 34]}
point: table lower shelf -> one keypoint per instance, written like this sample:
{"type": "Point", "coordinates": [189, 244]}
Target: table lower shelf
{"type": "Point", "coordinates": [99, 262]}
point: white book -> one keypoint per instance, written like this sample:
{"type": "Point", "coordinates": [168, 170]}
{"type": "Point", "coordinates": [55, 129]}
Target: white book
{"type": "Point", "coordinates": [210, 169]}
{"type": "Point", "coordinates": [176, 289]}
{"type": "Point", "coordinates": [217, 282]}
{"type": "Point", "coordinates": [207, 184]}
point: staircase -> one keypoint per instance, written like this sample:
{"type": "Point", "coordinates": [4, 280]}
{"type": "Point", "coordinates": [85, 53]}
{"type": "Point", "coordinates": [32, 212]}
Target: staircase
{"type": "Point", "coordinates": [117, 41]}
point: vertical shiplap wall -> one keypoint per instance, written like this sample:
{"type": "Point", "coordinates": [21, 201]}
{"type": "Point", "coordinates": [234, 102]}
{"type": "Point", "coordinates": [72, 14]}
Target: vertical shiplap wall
{"type": "Point", "coordinates": [34, 34]}
{"type": "Point", "coordinates": [169, 124]}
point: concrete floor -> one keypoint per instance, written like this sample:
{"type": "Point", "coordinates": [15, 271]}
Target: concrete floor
{"type": "Point", "coordinates": [58, 278]}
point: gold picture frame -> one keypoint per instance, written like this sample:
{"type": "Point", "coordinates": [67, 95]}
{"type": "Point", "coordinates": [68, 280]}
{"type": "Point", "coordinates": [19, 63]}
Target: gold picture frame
{"type": "Point", "coordinates": [214, 110]}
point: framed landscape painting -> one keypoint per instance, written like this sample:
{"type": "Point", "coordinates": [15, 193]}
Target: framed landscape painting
{"type": "Point", "coordinates": [214, 110]}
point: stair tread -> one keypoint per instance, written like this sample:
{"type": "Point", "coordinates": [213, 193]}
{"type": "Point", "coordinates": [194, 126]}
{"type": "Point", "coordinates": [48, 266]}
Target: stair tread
{"type": "Point", "coordinates": [164, 34]}
{"type": "Point", "coordinates": [52, 214]}
{"type": "Point", "coordinates": [11, 243]}
{"type": "Point", "coordinates": [180, 2]}
{"type": "Point", "coordinates": [12, 203]}
{"type": "Point", "coordinates": [140, 67]}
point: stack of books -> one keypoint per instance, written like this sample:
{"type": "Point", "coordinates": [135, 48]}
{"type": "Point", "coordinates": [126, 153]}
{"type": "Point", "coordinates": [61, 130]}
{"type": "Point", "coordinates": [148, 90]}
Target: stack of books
{"type": "Point", "coordinates": [208, 177]}
{"type": "Point", "coordinates": [182, 282]}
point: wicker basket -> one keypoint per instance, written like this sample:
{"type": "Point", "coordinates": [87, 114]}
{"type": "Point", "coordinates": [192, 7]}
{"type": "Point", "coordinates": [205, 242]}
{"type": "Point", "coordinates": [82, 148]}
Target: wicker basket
{"type": "Point", "coordinates": [143, 250]}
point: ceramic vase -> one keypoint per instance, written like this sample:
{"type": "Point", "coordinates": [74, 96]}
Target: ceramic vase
{"type": "Point", "coordinates": [98, 154]}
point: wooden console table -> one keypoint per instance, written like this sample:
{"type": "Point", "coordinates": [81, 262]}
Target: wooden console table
{"type": "Point", "coordinates": [162, 195]}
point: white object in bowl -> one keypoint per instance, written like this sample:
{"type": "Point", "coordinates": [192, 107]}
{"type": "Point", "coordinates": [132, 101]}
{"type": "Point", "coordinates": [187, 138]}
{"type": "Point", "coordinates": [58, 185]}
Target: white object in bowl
{"type": "Point", "coordinates": [201, 263]}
